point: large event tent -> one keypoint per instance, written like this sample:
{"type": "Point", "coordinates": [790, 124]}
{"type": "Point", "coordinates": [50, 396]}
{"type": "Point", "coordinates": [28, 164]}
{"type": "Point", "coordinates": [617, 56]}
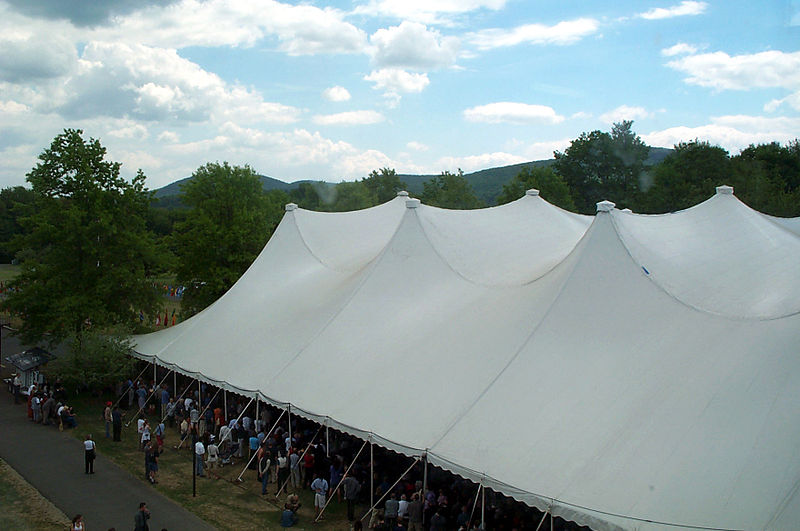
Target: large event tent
{"type": "Point", "coordinates": [621, 370]}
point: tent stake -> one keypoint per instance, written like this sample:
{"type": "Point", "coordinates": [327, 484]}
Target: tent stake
{"type": "Point", "coordinates": [346, 472]}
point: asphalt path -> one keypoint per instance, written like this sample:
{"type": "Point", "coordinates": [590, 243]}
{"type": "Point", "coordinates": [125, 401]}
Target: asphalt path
{"type": "Point", "coordinates": [53, 462]}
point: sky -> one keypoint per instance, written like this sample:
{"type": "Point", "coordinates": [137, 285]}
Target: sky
{"type": "Point", "coordinates": [331, 90]}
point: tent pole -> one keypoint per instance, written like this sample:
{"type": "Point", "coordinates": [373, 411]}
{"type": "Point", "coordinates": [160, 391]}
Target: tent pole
{"type": "Point", "coordinates": [289, 410]}
{"type": "Point", "coordinates": [300, 460]}
{"type": "Point", "coordinates": [371, 473]}
{"type": "Point", "coordinates": [475, 503]}
{"type": "Point", "coordinates": [176, 400]}
{"type": "Point", "coordinates": [148, 399]}
{"type": "Point", "coordinates": [155, 373]}
{"type": "Point", "coordinates": [255, 453]}
{"type": "Point", "coordinates": [542, 520]}
{"type": "Point", "coordinates": [390, 488]}
{"type": "Point", "coordinates": [327, 442]}
{"type": "Point", "coordinates": [330, 497]}
{"type": "Point", "coordinates": [257, 421]}
{"type": "Point", "coordinates": [552, 502]}
{"type": "Point", "coordinates": [239, 418]}
{"type": "Point", "coordinates": [483, 507]}
{"type": "Point", "coordinates": [174, 382]}
{"type": "Point", "coordinates": [125, 392]}
{"type": "Point", "coordinates": [225, 413]}
{"type": "Point", "coordinates": [424, 482]}
{"type": "Point", "coordinates": [200, 415]}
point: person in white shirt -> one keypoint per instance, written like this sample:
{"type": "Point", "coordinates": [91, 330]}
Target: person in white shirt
{"type": "Point", "coordinates": [213, 453]}
{"type": "Point", "coordinates": [89, 454]}
{"type": "Point", "coordinates": [200, 451]}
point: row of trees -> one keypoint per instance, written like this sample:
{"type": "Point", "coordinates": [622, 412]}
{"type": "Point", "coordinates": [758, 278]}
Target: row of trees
{"type": "Point", "coordinates": [90, 243]}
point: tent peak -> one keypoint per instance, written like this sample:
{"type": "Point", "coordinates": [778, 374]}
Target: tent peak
{"type": "Point", "coordinates": [605, 206]}
{"type": "Point", "coordinates": [532, 192]}
{"type": "Point", "coordinates": [724, 190]}
{"type": "Point", "coordinates": [291, 206]}
{"type": "Point", "coordinates": [412, 203]}
{"type": "Point", "coordinates": [402, 193]}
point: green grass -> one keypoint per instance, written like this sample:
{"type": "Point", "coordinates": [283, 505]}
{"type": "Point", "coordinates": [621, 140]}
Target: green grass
{"type": "Point", "coordinates": [220, 501]}
{"type": "Point", "coordinates": [8, 272]}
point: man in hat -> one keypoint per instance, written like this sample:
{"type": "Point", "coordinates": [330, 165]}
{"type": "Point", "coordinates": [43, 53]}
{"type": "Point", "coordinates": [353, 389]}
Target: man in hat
{"type": "Point", "coordinates": [108, 418]}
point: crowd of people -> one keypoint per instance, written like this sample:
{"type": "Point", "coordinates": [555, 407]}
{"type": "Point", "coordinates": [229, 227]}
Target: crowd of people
{"type": "Point", "coordinates": [289, 459]}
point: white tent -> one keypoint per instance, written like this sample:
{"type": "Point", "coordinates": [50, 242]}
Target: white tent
{"type": "Point", "coordinates": [621, 371]}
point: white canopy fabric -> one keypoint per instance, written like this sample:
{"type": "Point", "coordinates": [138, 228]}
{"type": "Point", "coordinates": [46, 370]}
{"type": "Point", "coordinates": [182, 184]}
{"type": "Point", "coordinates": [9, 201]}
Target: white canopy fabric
{"type": "Point", "coordinates": [622, 371]}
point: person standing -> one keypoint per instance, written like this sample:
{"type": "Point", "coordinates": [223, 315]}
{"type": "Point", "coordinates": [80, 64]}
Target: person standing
{"type": "Point", "coordinates": [141, 518]}
{"type": "Point", "coordinates": [17, 383]}
{"type": "Point", "coordinates": [89, 454]}
{"type": "Point", "coordinates": [116, 423]}
{"type": "Point", "coordinates": [351, 488]}
{"type": "Point", "coordinates": [200, 450]}
{"type": "Point", "coordinates": [77, 523]}
{"type": "Point", "coordinates": [320, 488]}
{"type": "Point", "coordinates": [108, 419]}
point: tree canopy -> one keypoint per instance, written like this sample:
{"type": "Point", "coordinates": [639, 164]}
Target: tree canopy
{"type": "Point", "coordinates": [85, 251]}
{"type": "Point", "coordinates": [450, 190]}
{"type": "Point", "coordinates": [226, 226]}
{"type": "Point", "coordinates": [551, 187]}
{"type": "Point", "coordinates": [600, 165]}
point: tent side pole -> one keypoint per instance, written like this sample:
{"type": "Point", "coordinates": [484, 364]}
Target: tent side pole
{"type": "Point", "coordinates": [148, 399]}
{"type": "Point", "coordinates": [390, 488]}
{"type": "Point", "coordinates": [155, 372]}
{"type": "Point", "coordinates": [371, 473]}
{"type": "Point", "coordinates": [475, 504]}
{"type": "Point", "coordinates": [346, 472]}
{"type": "Point", "coordinates": [174, 383]}
{"type": "Point", "coordinates": [300, 460]}
{"type": "Point", "coordinates": [125, 392]}
{"type": "Point", "coordinates": [483, 507]}
{"type": "Point", "coordinates": [327, 442]}
{"type": "Point", "coordinates": [257, 421]}
{"type": "Point", "coordinates": [542, 520]}
{"type": "Point", "coordinates": [200, 415]}
{"type": "Point", "coordinates": [424, 482]}
{"type": "Point", "coordinates": [238, 418]}
{"type": "Point", "coordinates": [289, 410]}
{"type": "Point", "coordinates": [225, 413]}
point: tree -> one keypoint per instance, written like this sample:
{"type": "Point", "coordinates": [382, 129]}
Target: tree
{"type": "Point", "coordinates": [350, 196]}
{"type": "Point", "coordinates": [15, 203]}
{"type": "Point", "coordinates": [767, 177]}
{"type": "Point", "coordinates": [86, 254]}
{"type": "Point", "coordinates": [550, 185]}
{"type": "Point", "coordinates": [226, 226]}
{"type": "Point", "coordinates": [599, 165]}
{"type": "Point", "coordinates": [686, 177]}
{"type": "Point", "coordinates": [450, 190]}
{"type": "Point", "coordinates": [384, 184]}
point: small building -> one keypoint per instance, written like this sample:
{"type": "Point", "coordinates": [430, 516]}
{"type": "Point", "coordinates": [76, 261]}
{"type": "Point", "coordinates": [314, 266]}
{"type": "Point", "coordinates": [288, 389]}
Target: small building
{"type": "Point", "coordinates": [27, 365]}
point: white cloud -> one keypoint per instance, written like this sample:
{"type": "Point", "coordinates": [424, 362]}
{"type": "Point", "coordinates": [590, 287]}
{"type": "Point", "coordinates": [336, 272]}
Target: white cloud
{"type": "Point", "coordinates": [680, 48]}
{"type": "Point", "coordinates": [122, 80]}
{"type": "Point", "coordinates": [300, 29]}
{"type": "Point", "coordinates": [479, 162]}
{"type": "Point", "coordinates": [721, 71]}
{"type": "Point", "coordinates": [512, 112]}
{"type": "Point", "coordinates": [169, 137]}
{"type": "Point", "coordinates": [625, 112]}
{"type": "Point", "coordinates": [350, 118]}
{"type": "Point", "coordinates": [733, 132]}
{"type": "Point", "coordinates": [133, 131]}
{"type": "Point", "coordinates": [792, 100]}
{"type": "Point", "coordinates": [563, 33]}
{"type": "Point", "coordinates": [13, 107]}
{"type": "Point", "coordinates": [426, 11]}
{"type": "Point", "coordinates": [417, 146]}
{"type": "Point", "coordinates": [412, 45]}
{"type": "Point", "coordinates": [336, 93]}
{"type": "Point", "coordinates": [35, 57]}
{"type": "Point", "coordinates": [394, 82]}
{"type": "Point", "coordinates": [687, 7]}
{"type": "Point", "coordinates": [544, 150]}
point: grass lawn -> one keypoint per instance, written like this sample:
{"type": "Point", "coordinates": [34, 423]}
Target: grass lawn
{"type": "Point", "coordinates": [23, 508]}
{"type": "Point", "coordinates": [220, 500]}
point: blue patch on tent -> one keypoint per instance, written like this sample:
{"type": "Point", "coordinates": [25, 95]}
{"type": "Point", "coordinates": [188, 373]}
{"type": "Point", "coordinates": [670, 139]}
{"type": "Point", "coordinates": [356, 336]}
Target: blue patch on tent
{"type": "Point", "coordinates": [646, 272]}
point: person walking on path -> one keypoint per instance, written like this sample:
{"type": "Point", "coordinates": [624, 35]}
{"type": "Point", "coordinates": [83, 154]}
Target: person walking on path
{"type": "Point", "coordinates": [90, 453]}
{"type": "Point", "coordinates": [77, 523]}
{"type": "Point", "coordinates": [141, 518]}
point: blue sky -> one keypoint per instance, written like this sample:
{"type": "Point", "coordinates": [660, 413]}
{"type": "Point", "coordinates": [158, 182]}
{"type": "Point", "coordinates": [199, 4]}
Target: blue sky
{"type": "Point", "coordinates": [333, 90]}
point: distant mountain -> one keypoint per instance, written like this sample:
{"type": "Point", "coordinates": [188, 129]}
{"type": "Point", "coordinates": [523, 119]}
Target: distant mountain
{"type": "Point", "coordinates": [487, 184]}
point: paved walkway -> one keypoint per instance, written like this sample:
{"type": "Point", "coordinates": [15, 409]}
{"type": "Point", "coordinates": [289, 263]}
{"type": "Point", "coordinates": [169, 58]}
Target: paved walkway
{"type": "Point", "coordinates": [52, 462]}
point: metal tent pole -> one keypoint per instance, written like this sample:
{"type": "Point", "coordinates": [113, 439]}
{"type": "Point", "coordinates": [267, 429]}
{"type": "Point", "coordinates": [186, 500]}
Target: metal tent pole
{"type": "Point", "coordinates": [346, 472]}
{"type": "Point", "coordinates": [125, 392]}
{"type": "Point", "coordinates": [198, 417]}
{"type": "Point", "coordinates": [300, 460]}
{"type": "Point", "coordinates": [254, 455]}
{"type": "Point", "coordinates": [146, 401]}
{"type": "Point", "coordinates": [390, 488]}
